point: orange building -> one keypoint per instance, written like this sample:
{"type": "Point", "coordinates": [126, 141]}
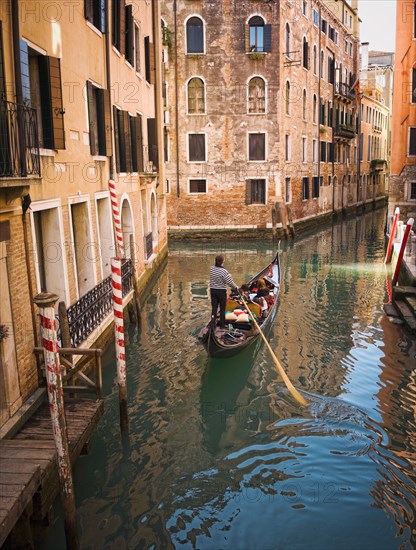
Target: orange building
{"type": "Point", "coordinates": [403, 163]}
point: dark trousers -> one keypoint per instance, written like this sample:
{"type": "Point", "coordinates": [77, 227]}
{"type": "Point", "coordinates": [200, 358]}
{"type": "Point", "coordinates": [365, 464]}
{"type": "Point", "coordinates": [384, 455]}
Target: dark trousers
{"type": "Point", "coordinates": [219, 297]}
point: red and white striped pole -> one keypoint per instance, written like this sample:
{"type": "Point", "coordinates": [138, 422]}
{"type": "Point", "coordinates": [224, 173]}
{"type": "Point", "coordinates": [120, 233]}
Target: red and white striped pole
{"type": "Point", "coordinates": [46, 302]}
{"type": "Point", "coordinates": [116, 217]}
{"type": "Point", "coordinates": [392, 234]}
{"type": "Point", "coordinates": [119, 338]}
{"type": "Point", "coordinates": [409, 226]}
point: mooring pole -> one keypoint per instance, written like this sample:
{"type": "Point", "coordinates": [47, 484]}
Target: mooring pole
{"type": "Point", "coordinates": [46, 302]}
{"type": "Point", "coordinates": [135, 283]}
{"type": "Point", "coordinates": [409, 226]}
{"type": "Point", "coordinates": [119, 340]}
{"type": "Point", "coordinates": [392, 233]}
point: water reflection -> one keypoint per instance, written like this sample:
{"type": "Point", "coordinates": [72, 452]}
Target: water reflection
{"type": "Point", "coordinates": [220, 455]}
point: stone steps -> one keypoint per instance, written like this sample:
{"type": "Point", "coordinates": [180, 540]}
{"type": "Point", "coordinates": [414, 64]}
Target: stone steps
{"type": "Point", "coordinates": [403, 307]}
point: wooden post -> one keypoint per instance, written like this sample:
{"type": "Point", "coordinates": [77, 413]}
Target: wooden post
{"type": "Point", "coordinates": [392, 233]}
{"type": "Point", "coordinates": [119, 340]}
{"type": "Point", "coordinates": [98, 374]}
{"type": "Point", "coordinates": [409, 226]}
{"type": "Point", "coordinates": [135, 283]}
{"type": "Point", "coordinates": [46, 302]}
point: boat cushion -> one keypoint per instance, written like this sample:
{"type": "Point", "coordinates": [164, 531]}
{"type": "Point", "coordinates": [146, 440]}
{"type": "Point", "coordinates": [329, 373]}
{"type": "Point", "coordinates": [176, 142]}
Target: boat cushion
{"type": "Point", "coordinates": [230, 316]}
{"type": "Point", "coordinates": [243, 318]}
{"type": "Point", "coordinates": [238, 312]}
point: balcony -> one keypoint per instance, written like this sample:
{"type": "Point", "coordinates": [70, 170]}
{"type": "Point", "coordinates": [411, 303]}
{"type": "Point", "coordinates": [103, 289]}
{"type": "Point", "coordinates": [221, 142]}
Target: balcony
{"type": "Point", "coordinates": [344, 91]}
{"type": "Point", "coordinates": [344, 131]}
{"type": "Point", "coordinates": [377, 129]}
{"type": "Point", "coordinates": [19, 141]}
{"type": "Point", "coordinates": [377, 165]}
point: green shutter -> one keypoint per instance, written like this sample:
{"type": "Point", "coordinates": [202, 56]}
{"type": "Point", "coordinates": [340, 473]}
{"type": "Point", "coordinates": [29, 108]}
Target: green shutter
{"type": "Point", "coordinates": [127, 141]}
{"type": "Point", "coordinates": [122, 26]}
{"type": "Point", "coordinates": [91, 117]}
{"type": "Point", "coordinates": [267, 38]}
{"type": "Point", "coordinates": [116, 139]}
{"type": "Point", "coordinates": [248, 192]}
{"type": "Point", "coordinates": [139, 143]}
{"type": "Point", "coordinates": [51, 102]}
{"type": "Point", "coordinates": [107, 122]}
{"type": "Point", "coordinates": [130, 35]}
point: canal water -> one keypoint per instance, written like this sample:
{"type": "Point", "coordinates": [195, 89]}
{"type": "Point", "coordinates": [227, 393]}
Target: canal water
{"type": "Point", "coordinates": [219, 455]}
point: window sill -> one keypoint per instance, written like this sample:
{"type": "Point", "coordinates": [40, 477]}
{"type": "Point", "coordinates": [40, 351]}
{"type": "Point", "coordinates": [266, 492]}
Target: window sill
{"type": "Point", "coordinates": [258, 204]}
{"type": "Point", "coordinates": [129, 65]}
{"type": "Point", "coordinates": [94, 28]}
{"type": "Point", "coordinates": [47, 152]}
{"type": "Point", "coordinates": [257, 161]}
{"type": "Point", "coordinates": [99, 158]}
{"type": "Point", "coordinates": [115, 50]}
{"type": "Point", "coordinates": [196, 114]}
{"type": "Point", "coordinates": [195, 55]}
{"type": "Point", "coordinates": [139, 75]}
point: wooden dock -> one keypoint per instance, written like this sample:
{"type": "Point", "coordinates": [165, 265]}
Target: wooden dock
{"type": "Point", "coordinates": [28, 469]}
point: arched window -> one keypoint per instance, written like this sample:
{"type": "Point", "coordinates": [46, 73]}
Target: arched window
{"type": "Point", "coordinates": [256, 95]}
{"type": "Point", "coordinates": [194, 35]}
{"type": "Point", "coordinates": [321, 71]}
{"type": "Point", "coordinates": [305, 53]}
{"type": "Point", "coordinates": [196, 96]}
{"type": "Point", "coordinates": [304, 109]}
{"type": "Point", "coordinates": [287, 38]}
{"type": "Point", "coordinates": [315, 60]}
{"type": "Point", "coordinates": [287, 98]}
{"type": "Point", "coordinates": [257, 34]}
{"type": "Point", "coordinates": [315, 108]}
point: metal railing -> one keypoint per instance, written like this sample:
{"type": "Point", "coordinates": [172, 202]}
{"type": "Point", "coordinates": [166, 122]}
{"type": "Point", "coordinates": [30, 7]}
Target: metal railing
{"type": "Point", "coordinates": [344, 90]}
{"type": "Point", "coordinates": [87, 313]}
{"type": "Point", "coordinates": [19, 141]}
{"type": "Point", "coordinates": [344, 130]}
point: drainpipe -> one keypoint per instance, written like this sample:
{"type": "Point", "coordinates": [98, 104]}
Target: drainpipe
{"type": "Point", "coordinates": [108, 79]}
{"type": "Point", "coordinates": [320, 69]}
{"type": "Point", "coordinates": [16, 52]}
{"type": "Point", "coordinates": [175, 24]}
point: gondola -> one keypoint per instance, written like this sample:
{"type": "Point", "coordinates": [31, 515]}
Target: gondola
{"type": "Point", "coordinates": [240, 331]}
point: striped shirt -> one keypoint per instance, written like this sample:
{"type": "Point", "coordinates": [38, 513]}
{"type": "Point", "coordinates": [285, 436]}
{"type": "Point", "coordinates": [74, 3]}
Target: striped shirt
{"type": "Point", "coordinates": [219, 278]}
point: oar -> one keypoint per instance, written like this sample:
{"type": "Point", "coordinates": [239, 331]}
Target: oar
{"type": "Point", "coordinates": [299, 398]}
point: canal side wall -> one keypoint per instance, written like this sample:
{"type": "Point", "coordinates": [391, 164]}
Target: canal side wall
{"type": "Point", "coordinates": [305, 224]}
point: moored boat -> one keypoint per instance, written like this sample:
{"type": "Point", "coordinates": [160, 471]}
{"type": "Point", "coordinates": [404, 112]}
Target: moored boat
{"type": "Point", "coordinates": [240, 331]}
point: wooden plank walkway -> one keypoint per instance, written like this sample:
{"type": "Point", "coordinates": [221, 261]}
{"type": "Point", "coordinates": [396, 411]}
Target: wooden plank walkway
{"type": "Point", "coordinates": [28, 470]}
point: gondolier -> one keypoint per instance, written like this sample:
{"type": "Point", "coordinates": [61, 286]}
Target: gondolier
{"type": "Point", "coordinates": [219, 278]}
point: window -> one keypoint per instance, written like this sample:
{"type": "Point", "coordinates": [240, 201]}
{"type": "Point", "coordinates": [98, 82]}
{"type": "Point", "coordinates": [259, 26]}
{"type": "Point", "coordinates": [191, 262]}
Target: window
{"type": "Point", "coordinates": [315, 18]}
{"type": "Point", "coordinates": [196, 147]}
{"type": "Point", "coordinates": [329, 113]}
{"type": "Point", "coordinates": [118, 15]}
{"type": "Point", "coordinates": [412, 142]}
{"type": "Point", "coordinates": [351, 49]}
{"type": "Point", "coordinates": [194, 35]}
{"type": "Point", "coordinates": [197, 186]}
{"type": "Point", "coordinates": [369, 148]}
{"type": "Point", "coordinates": [304, 105]}
{"type": "Point", "coordinates": [256, 191]}
{"type": "Point", "coordinates": [323, 151]}
{"type": "Point", "coordinates": [287, 98]}
{"type": "Point", "coordinates": [137, 48]}
{"type": "Point", "coordinates": [314, 150]}
{"type": "Point", "coordinates": [324, 26]}
{"type": "Point", "coordinates": [304, 150]}
{"type": "Point", "coordinates": [330, 152]}
{"type": "Point", "coordinates": [288, 190]}
{"type": "Point", "coordinates": [315, 187]}
{"type": "Point", "coordinates": [153, 151]}
{"type": "Point", "coordinates": [99, 118]}
{"type": "Point", "coordinates": [321, 68]}
{"type": "Point", "coordinates": [315, 109]}
{"type": "Point", "coordinates": [136, 143]}
{"type": "Point", "coordinates": [361, 146]}
{"type": "Point", "coordinates": [42, 90]}
{"type": "Point", "coordinates": [331, 70]}
{"type": "Point", "coordinates": [315, 60]}
{"type": "Point", "coordinates": [331, 33]}
{"type": "Point", "coordinates": [305, 54]}
{"type": "Point", "coordinates": [329, 180]}
{"type": "Point", "coordinates": [287, 38]}
{"type": "Point", "coordinates": [413, 100]}
{"type": "Point", "coordinates": [94, 12]}
{"type": "Point", "coordinates": [322, 113]}
{"type": "Point", "coordinates": [130, 53]}
{"type": "Point", "coordinates": [257, 146]}
{"type": "Point", "coordinates": [287, 147]}
{"type": "Point", "coordinates": [412, 190]}
{"type": "Point", "coordinates": [305, 188]}
{"type": "Point", "coordinates": [196, 96]}
{"type": "Point", "coordinates": [259, 38]}
{"type": "Point", "coordinates": [305, 7]}
{"type": "Point", "coordinates": [256, 95]}
{"type": "Point", "coordinates": [346, 46]}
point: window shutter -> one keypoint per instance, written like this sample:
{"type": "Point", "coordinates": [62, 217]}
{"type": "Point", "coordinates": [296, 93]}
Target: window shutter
{"type": "Point", "coordinates": [132, 124]}
{"type": "Point", "coordinates": [24, 68]}
{"type": "Point", "coordinates": [414, 82]}
{"type": "Point", "coordinates": [127, 141]}
{"type": "Point", "coordinates": [102, 15]}
{"type": "Point", "coordinates": [107, 122]}
{"type": "Point", "coordinates": [152, 141]}
{"type": "Point", "coordinates": [122, 24]}
{"type": "Point", "coordinates": [139, 143]}
{"type": "Point", "coordinates": [51, 102]}
{"type": "Point", "coordinates": [412, 141]}
{"type": "Point", "coordinates": [129, 35]}
{"type": "Point", "coordinates": [246, 38]}
{"type": "Point", "coordinates": [147, 58]}
{"type": "Point", "coordinates": [116, 139]}
{"type": "Point", "coordinates": [88, 11]}
{"type": "Point", "coordinates": [248, 192]}
{"type": "Point", "coordinates": [91, 118]}
{"type": "Point", "coordinates": [152, 62]}
{"type": "Point", "coordinates": [267, 38]}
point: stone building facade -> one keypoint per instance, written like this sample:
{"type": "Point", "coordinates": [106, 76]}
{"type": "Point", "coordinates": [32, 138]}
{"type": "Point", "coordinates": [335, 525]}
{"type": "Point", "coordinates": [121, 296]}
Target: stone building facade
{"type": "Point", "coordinates": [78, 105]}
{"type": "Point", "coordinates": [262, 109]}
{"type": "Point", "coordinates": [403, 162]}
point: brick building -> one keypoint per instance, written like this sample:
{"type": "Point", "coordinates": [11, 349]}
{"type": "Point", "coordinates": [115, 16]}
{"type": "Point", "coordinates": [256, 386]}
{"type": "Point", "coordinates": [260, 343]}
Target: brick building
{"type": "Point", "coordinates": [77, 104]}
{"type": "Point", "coordinates": [403, 162]}
{"type": "Point", "coordinates": [262, 109]}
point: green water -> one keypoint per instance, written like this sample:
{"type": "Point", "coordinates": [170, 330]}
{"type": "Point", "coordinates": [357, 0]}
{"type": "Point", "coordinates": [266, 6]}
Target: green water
{"type": "Point", "coordinates": [218, 454]}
